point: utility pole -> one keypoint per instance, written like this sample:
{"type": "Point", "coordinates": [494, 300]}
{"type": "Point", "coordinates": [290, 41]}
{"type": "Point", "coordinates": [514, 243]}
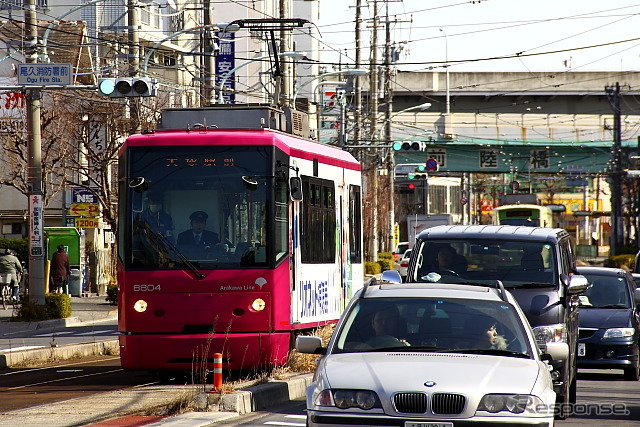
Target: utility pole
{"type": "Point", "coordinates": [133, 55]}
{"type": "Point", "coordinates": [285, 46]}
{"type": "Point", "coordinates": [34, 171]}
{"type": "Point", "coordinates": [613, 94]}
{"type": "Point", "coordinates": [388, 100]}
{"type": "Point", "coordinates": [357, 114]}
{"type": "Point", "coordinates": [373, 120]}
{"type": "Point", "coordinates": [207, 58]}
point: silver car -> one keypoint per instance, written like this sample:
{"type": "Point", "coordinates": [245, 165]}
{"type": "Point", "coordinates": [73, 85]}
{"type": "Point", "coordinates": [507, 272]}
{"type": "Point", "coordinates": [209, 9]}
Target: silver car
{"type": "Point", "coordinates": [418, 355]}
{"type": "Point", "coordinates": [402, 263]}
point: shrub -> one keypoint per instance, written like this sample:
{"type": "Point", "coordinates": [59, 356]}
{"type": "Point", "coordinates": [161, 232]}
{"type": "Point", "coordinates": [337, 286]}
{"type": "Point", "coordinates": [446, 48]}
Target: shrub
{"type": "Point", "coordinates": [385, 264]}
{"type": "Point", "coordinates": [112, 294]}
{"type": "Point", "coordinates": [372, 268]}
{"type": "Point", "coordinates": [56, 306]}
{"type": "Point", "coordinates": [19, 246]}
{"type": "Point", "coordinates": [385, 255]}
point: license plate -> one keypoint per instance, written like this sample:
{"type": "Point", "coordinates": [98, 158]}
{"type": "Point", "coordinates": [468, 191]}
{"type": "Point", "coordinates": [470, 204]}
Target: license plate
{"type": "Point", "coordinates": [582, 349]}
{"type": "Point", "coordinates": [426, 424]}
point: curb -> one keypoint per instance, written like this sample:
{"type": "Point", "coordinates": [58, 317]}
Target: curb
{"type": "Point", "coordinates": [261, 396]}
{"type": "Point", "coordinates": [20, 358]}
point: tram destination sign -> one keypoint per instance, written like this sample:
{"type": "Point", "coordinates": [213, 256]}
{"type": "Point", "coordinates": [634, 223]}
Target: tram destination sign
{"type": "Point", "coordinates": [44, 74]}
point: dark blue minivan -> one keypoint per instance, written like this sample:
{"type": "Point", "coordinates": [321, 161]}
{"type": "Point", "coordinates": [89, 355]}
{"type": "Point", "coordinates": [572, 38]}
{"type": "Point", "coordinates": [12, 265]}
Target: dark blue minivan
{"type": "Point", "coordinates": [609, 321]}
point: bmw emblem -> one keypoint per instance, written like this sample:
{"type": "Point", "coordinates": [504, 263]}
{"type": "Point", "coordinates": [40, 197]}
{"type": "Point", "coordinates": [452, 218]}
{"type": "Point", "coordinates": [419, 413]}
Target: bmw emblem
{"type": "Point", "coordinates": [429, 383]}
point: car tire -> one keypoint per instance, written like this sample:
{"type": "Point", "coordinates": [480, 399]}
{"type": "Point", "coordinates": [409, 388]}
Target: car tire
{"type": "Point", "coordinates": [563, 401]}
{"type": "Point", "coordinates": [632, 374]}
{"type": "Point", "coordinates": [562, 407]}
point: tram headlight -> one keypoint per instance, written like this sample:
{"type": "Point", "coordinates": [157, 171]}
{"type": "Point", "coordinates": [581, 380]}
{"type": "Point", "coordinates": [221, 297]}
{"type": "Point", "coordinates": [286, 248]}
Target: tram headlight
{"type": "Point", "coordinates": [258, 304]}
{"type": "Point", "coordinates": [140, 306]}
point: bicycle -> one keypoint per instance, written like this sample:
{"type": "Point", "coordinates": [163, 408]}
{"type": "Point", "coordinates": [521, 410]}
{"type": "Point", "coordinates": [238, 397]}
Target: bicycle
{"type": "Point", "coordinates": [7, 291]}
{"type": "Point", "coordinates": [6, 294]}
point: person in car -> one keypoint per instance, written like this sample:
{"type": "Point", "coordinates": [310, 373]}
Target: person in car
{"type": "Point", "coordinates": [389, 328]}
{"type": "Point", "coordinates": [447, 259]}
{"type": "Point", "coordinates": [197, 242]}
{"type": "Point", "coordinates": [156, 217]}
{"type": "Point", "coordinates": [485, 334]}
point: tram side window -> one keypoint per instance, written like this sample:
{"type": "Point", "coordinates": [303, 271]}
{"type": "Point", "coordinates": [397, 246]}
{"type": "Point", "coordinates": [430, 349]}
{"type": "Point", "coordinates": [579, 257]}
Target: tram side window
{"type": "Point", "coordinates": [355, 225]}
{"type": "Point", "coordinates": [318, 234]}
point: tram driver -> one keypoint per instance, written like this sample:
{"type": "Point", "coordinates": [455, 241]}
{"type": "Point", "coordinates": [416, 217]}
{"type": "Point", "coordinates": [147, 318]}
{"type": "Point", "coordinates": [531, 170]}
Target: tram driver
{"type": "Point", "coordinates": [197, 242]}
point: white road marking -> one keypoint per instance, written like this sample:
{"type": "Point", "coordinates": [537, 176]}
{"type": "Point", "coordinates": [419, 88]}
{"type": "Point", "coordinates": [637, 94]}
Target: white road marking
{"type": "Point", "coordinates": [26, 347]}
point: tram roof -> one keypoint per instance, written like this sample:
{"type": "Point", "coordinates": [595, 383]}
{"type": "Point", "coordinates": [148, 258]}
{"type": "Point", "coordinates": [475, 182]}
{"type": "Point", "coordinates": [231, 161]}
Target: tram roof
{"type": "Point", "coordinates": [291, 145]}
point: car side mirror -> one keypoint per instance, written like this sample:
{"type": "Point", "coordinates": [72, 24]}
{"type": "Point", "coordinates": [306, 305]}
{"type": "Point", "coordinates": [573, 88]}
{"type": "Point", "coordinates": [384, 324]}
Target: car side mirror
{"type": "Point", "coordinates": [636, 296]}
{"type": "Point", "coordinates": [577, 284]}
{"type": "Point", "coordinates": [310, 345]}
{"type": "Point", "coordinates": [391, 276]}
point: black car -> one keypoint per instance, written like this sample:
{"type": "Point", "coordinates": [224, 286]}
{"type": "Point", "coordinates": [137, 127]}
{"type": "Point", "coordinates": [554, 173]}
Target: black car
{"type": "Point", "coordinates": [609, 321]}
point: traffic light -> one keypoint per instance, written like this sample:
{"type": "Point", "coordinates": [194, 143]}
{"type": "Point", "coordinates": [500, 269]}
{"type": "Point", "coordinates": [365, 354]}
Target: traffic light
{"type": "Point", "coordinates": [408, 189]}
{"type": "Point", "coordinates": [410, 146]}
{"type": "Point", "coordinates": [116, 87]}
{"type": "Point", "coordinates": [420, 173]}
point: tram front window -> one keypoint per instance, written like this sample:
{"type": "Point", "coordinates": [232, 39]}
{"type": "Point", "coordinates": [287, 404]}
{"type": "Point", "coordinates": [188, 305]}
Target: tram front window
{"type": "Point", "coordinates": [207, 207]}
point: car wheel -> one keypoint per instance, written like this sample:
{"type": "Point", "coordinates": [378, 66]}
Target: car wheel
{"type": "Point", "coordinates": [631, 374]}
{"type": "Point", "coordinates": [563, 401]}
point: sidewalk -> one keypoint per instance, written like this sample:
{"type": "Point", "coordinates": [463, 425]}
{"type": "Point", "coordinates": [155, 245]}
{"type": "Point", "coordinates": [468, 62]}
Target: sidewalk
{"type": "Point", "coordinates": [116, 408]}
{"type": "Point", "coordinates": [89, 310]}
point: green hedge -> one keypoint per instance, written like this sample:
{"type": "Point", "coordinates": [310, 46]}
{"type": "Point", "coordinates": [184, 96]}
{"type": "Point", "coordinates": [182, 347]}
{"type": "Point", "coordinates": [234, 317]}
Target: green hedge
{"type": "Point", "coordinates": [386, 264]}
{"type": "Point", "coordinates": [385, 255]}
{"type": "Point", "coordinates": [112, 294]}
{"type": "Point", "coordinates": [372, 268]}
{"type": "Point", "coordinates": [20, 246]}
{"type": "Point", "coordinates": [56, 306]}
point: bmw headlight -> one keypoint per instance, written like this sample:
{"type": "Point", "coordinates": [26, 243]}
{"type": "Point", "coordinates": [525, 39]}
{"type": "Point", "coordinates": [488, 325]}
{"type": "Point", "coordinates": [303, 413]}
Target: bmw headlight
{"type": "Point", "coordinates": [618, 333]}
{"type": "Point", "coordinates": [550, 333]}
{"type": "Point", "coordinates": [514, 403]}
{"type": "Point", "coordinates": [345, 399]}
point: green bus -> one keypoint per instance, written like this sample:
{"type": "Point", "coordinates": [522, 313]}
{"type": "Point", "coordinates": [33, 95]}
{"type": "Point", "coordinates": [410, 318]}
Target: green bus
{"type": "Point", "coordinates": [527, 215]}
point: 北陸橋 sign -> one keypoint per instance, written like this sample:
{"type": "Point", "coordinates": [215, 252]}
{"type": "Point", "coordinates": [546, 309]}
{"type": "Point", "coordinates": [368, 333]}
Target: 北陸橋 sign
{"type": "Point", "coordinates": [44, 74]}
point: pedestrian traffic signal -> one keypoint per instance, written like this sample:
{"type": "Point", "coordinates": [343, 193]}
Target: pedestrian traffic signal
{"type": "Point", "coordinates": [410, 146]}
{"type": "Point", "coordinates": [116, 87]}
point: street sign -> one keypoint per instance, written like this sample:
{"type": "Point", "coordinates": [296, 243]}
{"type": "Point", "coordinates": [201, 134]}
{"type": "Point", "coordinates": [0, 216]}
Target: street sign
{"type": "Point", "coordinates": [83, 195]}
{"type": "Point", "coordinates": [36, 224]}
{"type": "Point", "coordinates": [87, 223]}
{"type": "Point", "coordinates": [44, 74]}
{"type": "Point", "coordinates": [84, 209]}
{"type": "Point", "coordinates": [463, 201]}
{"type": "Point", "coordinates": [432, 164]}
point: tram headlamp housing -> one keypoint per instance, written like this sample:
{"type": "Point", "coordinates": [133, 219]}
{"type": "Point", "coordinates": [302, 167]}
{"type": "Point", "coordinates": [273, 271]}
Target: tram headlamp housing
{"type": "Point", "coordinates": [258, 304]}
{"type": "Point", "coordinates": [140, 306]}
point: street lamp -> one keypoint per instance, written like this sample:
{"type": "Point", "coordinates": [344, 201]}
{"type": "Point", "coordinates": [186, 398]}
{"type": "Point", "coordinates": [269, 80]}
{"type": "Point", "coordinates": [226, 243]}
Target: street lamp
{"type": "Point", "coordinates": [446, 67]}
{"type": "Point", "coordinates": [295, 55]}
{"type": "Point", "coordinates": [348, 72]}
{"type": "Point", "coordinates": [223, 26]}
{"type": "Point", "coordinates": [392, 167]}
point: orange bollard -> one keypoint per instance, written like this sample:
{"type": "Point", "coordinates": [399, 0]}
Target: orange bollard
{"type": "Point", "coordinates": [217, 373]}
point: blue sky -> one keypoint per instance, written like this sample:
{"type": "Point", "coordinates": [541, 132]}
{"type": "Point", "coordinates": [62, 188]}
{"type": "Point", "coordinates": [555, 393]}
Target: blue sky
{"type": "Point", "coordinates": [494, 35]}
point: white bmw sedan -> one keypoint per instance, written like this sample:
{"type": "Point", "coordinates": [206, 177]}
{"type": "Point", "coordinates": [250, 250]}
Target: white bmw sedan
{"type": "Point", "coordinates": [431, 355]}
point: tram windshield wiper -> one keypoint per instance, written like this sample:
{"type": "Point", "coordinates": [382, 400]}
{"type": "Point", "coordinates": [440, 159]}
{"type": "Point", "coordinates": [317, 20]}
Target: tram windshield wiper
{"type": "Point", "coordinates": [182, 257]}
